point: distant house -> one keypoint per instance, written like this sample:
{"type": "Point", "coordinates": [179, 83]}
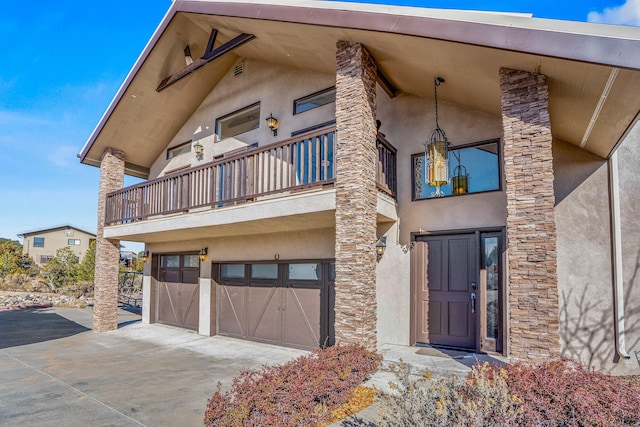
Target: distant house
{"type": "Point", "coordinates": [299, 189]}
{"type": "Point", "coordinates": [128, 258]}
{"type": "Point", "coordinates": [42, 244]}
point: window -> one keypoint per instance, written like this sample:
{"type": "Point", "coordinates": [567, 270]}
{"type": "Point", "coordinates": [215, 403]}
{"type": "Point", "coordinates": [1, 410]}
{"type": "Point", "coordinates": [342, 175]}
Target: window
{"type": "Point", "coordinates": [179, 268]}
{"type": "Point", "coordinates": [314, 100]}
{"type": "Point", "coordinates": [179, 149]}
{"type": "Point", "coordinates": [306, 271]}
{"type": "Point", "coordinates": [480, 160]}
{"type": "Point", "coordinates": [38, 242]}
{"type": "Point", "coordinates": [45, 258]}
{"type": "Point", "coordinates": [232, 271]}
{"type": "Point", "coordinates": [238, 122]}
{"type": "Point", "coordinates": [73, 242]}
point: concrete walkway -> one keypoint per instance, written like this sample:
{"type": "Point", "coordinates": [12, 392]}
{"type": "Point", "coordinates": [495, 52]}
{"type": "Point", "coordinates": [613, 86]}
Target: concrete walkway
{"type": "Point", "coordinates": [54, 370]}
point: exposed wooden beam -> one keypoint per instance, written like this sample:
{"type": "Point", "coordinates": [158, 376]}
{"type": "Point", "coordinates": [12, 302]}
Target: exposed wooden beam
{"type": "Point", "coordinates": [188, 59]}
{"type": "Point", "coordinates": [208, 56]}
{"type": "Point", "coordinates": [212, 40]}
{"type": "Point", "coordinates": [385, 84]}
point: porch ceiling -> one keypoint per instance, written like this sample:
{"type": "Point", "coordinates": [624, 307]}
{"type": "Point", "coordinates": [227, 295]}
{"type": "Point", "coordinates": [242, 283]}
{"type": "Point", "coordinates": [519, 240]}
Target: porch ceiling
{"type": "Point", "coordinates": [142, 121]}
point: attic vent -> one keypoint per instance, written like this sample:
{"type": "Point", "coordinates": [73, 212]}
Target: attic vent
{"type": "Point", "coordinates": [238, 69]}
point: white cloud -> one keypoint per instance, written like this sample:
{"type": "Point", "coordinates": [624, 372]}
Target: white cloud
{"type": "Point", "coordinates": [64, 156]}
{"type": "Point", "coordinates": [625, 14]}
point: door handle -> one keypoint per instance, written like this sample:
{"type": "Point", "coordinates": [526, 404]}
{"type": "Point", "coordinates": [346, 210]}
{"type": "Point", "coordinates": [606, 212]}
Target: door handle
{"type": "Point", "coordinates": [473, 302]}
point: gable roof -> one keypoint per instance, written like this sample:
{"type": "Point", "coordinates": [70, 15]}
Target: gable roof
{"type": "Point", "coordinates": [58, 227]}
{"type": "Point", "coordinates": [592, 69]}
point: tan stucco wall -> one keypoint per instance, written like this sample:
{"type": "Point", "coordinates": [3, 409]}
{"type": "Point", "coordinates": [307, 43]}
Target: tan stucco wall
{"type": "Point", "coordinates": [628, 163]}
{"type": "Point", "coordinates": [312, 244]}
{"type": "Point", "coordinates": [54, 240]}
{"type": "Point", "coordinates": [407, 122]}
{"type": "Point", "coordinates": [274, 86]}
{"type": "Point", "coordinates": [584, 259]}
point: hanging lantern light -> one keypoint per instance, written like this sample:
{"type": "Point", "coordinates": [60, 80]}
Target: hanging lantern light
{"type": "Point", "coordinates": [436, 152]}
{"type": "Point", "coordinates": [460, 178]}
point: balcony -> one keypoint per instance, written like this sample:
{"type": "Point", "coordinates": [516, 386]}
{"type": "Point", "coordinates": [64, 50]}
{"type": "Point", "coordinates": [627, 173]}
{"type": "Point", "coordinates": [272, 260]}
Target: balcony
{"type": "Point", "coordinates": [291, 169]}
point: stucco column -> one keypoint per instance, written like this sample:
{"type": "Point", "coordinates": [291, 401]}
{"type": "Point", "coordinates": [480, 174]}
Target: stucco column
{"type": "Point", "coordinates": [105, 308]}
{"type": "Point", "coordinates": [531, 229]}
{"type": "Point", "coordinates": [356, 196]}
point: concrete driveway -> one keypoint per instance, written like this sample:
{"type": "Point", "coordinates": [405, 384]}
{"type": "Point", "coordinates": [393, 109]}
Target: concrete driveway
{"type": "Point", "coordinates": [54, 370]}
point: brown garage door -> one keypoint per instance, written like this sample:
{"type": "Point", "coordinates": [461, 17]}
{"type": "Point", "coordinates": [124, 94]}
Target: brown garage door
{"type": "Point", "coordinates": [280, 303]}
{"type": "Point", "coordinates": [178, 290]}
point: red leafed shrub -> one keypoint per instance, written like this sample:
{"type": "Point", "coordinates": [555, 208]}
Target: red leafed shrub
{"type": "Point", "coordinates": [562, 392]}
{"type": "Point", "coordinates": [301, 392]}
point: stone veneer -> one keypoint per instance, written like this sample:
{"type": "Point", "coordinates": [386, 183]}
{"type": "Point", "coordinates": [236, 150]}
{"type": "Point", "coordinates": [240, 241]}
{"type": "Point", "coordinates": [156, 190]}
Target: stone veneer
{"type": "Point", "coordinates": [531, 228]}
{"type": "Point", "coordinates": [356, 196]}
{"type": "Point", "coordinates": [105, 309]}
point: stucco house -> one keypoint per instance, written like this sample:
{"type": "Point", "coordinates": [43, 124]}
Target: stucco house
{"type": "Point", "coordinates": [43, 244]}
{"type": "Point", "coordinates": [300, 188]}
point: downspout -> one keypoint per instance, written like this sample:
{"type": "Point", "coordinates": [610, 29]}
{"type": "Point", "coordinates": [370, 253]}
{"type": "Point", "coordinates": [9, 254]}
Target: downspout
{"type": "Point", "coordinates": [616, 252]}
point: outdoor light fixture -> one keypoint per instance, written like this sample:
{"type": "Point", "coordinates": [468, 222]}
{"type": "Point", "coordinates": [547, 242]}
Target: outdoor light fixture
{"type": "Point", "coordinates": [145, 256]}
{"type": "Point", "coordinates": [272, 122]}
{"type": "Point", "coordinates": [460, 178]}
{"type": "Point", "coordinates": [199, 149]}
{"type": "Point", "coordinates": [381, 245]}
{"type": "Point", "coordinates": [436, 152]}
{"type": "Point", "coordinates": [203, 253]}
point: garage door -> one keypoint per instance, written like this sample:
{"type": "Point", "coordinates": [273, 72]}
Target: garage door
{"type": "Point", "coordinates": [178, 290]}
{"type": "Point", "coordinates": [285, 303]}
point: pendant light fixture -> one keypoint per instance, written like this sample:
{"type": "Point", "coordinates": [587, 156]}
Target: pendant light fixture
{"type": "Point", "coordinates": [460, 178]}
{"type": "Point", "coordinates": [436, 152]}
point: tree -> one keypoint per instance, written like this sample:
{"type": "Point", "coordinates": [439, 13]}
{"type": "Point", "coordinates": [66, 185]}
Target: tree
{"type": "Point", "coordinates": [140, 261]}
{"type": "Point", "coordinates": [12, 260]}
{"type": "Point", "coordinates": [61, 270]}
{"type": "Point", "coordinates": [87, 268]}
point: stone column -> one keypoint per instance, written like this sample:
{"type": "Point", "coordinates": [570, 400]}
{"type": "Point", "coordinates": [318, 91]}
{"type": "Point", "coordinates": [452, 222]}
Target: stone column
{"type": "Point", "coordinates": [356, 196]}
{"type": "Point", "coordinates": [105, 308]}
{"type": "Point", "coordinates": [531, 229]}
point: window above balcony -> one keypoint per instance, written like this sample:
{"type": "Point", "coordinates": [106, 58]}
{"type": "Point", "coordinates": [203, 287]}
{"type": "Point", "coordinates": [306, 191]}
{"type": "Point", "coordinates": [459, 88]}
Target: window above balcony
{"type": "Point", "coordinates": [240, 121]}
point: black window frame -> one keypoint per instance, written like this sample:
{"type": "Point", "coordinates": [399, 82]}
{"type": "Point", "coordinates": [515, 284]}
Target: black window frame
{"type": "Point", "coordinates": [178, 148]}
{"type": "Point", "coordinates": [496, 141]}
{"type": "Point", "coordinates": [311, 96]}
{"type": "Point", "coordinates": [217, 130]}
{"type": "Point", "coordinates": [40, 244]}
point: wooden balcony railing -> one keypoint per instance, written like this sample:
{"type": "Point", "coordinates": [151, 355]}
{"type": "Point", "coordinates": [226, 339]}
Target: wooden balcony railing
{"type": "Point", "coordinates": [300, 163]}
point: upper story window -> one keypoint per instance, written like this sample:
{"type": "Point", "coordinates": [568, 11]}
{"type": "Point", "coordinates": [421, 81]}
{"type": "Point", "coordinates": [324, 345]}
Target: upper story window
{"type": "Point", "coordinates": [73, 242]}
{"type": "Point", "coordinates": [315, 100]}
{"type": "Point", "coordinates": [179, 149]}
{"type": "Point", "coordinates": [480, 162]}
{"type": "Point", "coordinates": [38, 242]}
{"type": "Point", "coordinates": [241, 121]}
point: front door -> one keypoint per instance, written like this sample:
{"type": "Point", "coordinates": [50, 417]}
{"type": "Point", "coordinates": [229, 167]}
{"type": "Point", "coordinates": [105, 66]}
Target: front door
{"type": "Point", "coordinates": [452, 282]}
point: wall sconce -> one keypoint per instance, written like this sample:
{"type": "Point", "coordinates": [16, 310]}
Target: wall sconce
{"type": "Point", "coordinates": [381, 246]}
{"type": "Point", "coordinates": [199, 149]}
{"type": "Point", "coordinates": [203, 253]}
{"type": "Point", "coordinates": [145, 256]}
{"type": "Point", "coordinates": [272, 122]}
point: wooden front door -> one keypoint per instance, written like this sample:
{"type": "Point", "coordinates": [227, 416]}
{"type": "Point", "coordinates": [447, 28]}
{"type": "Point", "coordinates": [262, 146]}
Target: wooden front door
{"type": "Point", "coordinates": [453, 293]}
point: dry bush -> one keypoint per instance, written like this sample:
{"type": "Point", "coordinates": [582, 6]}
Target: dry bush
{"type": "Point", "coordinates": [562, 392]}
{"type": "Point", "coordinates": [483, 399]}
{"type": "Point", "coordinates": [303, 392]}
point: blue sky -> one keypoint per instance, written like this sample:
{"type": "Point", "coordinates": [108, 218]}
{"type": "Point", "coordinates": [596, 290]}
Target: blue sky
{"type": "Point", "coordinates": [64, 60]}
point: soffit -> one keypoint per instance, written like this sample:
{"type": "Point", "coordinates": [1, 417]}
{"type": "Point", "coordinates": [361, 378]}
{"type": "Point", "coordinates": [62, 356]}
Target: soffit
{"type": "Point", "coordinates": [144, 121]}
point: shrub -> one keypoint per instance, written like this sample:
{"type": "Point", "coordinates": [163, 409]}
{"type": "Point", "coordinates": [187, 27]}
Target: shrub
{"type": "Point", "coordinates": [562, 392]}
{"type": "Point", "coordinates": [483, 399]}
{"type": "Point", "coordinates": [304, 391]}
